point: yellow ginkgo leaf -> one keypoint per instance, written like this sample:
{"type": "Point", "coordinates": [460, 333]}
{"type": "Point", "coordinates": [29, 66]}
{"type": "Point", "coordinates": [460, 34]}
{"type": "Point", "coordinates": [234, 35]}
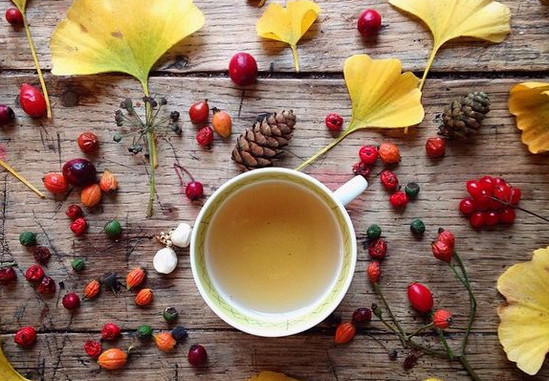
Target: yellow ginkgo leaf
{"type": "Point", "coordinates": [529, 102]}
{"type": "Point", "coordinates": [524, 328]}
{"type": "Point", "coordinates": [288, 24]}
{"type": "Point", "coordinates": [20, 4]}
{"type": "Point", "coordinates": [127, 36]}
{"type": "Point", "coordinates": [7, 372]}
{"type": "Point", "coordinates": [267, 375]}
{"type": "Point", "coordinates": [381, 96]}
{"type": "Point", "coordinates": [448, 19]}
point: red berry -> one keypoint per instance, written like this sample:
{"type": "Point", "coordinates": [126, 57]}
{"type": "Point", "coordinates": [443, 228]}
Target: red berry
{"type": "Point", "coordinates": [477, 219]}
{"type": "Point", "coordinates": [389, 180]}
{"type": "Point", "coordinates": [491, 218]}
{"type": "Point", "coordinates": [507, 216]}
{"type": "Point", "coordinates": [467, 206]}
{"type": "Point", "coordinates": [447, 237]}
{"type": "Point", "coordinates": [7, 275]}
{"type": "Point", "coordinates": [79, 172]}
{"type": "Point", "coordinates": [14, 17]}
{"type": "Point", "coordinates": [420, 297]}
{"type": "Point", "coordinates": [110, 331]}
{"type": "Point", "coordinates": [41, 254]}
{"type": "Point", "coordinates": [93, 348]}
{"type": "Point", "coordinates": [243, 69]}
{"type": "Point", "coordinates": [199, 112]}
{"type": "Point", "coordinates": [369, 23]}
{"type": "Point", "coordinates": [362, 315]}
{"type": "Point", "coordinates": [368, 154]}
{"type": "Point", "coordinates": [435, 147]}
{"type": "Point", "coordinates": [88, 142]}
{"type": "Point", "coordinates": [6, 114]}
{"type": "Point", "coordinates": [399, 200]}
{"type": "Point", "coordinates": [442, 251]}
{"type": "Point", "coordinates": [334, 122]}
{"type": "Point", "coordinates": [483, 200]}
{"type": "Point", "coordinates": [71, 301]}
{"type": "Point", "coordinates": [205, 136]}
{"type": "Point", "coordinates": [194, 190]}
{"type": "Point", "coordinates": [73, 212]}
{"type": "Point", "coordinates": [473, 188]}
{"type": "Point", "coordinates": [487, 183]}
{"type": "Point", "coordinates": [442, 319]}
{"type": "Point", "coordinates": [377, 248]}
{"type": "Point", "coordinates": [79, 226]}
{"type": "Point", "coordinates": [374, 272]}
{"type": "Point", "coordinates": [32, 101]}
{"type": "Point", "coordinates": [499, 181]}
{"type": "Point", "coordinates": [197, 355]}
{"type": "Point", "coordinates": [47, 286]}
{"type": "Point", "coordinates": [503, 193]}
{"type": "Point", "coordinates": [25, 337]}
{"type": "Point", "coordinates": [361, 169]}
{"type": "Point", "coordinates": [516, 195]}
{"type": "Point", "coordinates": [55, 182]}
{"type": "Point", "coordinates": [34, 274]}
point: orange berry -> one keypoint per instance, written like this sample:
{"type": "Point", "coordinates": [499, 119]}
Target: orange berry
{"type": "Point", "coordinates": [112, 359]}
{"type": "Point", "coordinates": [389, 153]}
{"type": "Point", "coordinates": [108, 182]}
{"type": "Point", "coordinates": [144, 297]}
{"type": "Point", "coordinates": [92, 289]}
{"type": "Point", "coordinates": [442, 319]}
{"type": "Point", "coordinates": [91, 195]}
{"type": "Point", "coordinates": [374, 272]}
{"type": "Point", "coordinates": [135, 277]}
{"type": "Point", "coordinates": [165, 341]}
{"type": "Point", "coordinates": [55, 182]}
{"type": "Point", "coordinates": [345, 332]}
{"type": "Point", "coordinates": [222, 122]}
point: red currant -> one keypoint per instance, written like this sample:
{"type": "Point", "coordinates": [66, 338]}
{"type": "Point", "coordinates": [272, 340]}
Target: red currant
{"type": "Point", "coordinates": [197, 355]}
{"type": "Point", "coordinates": [467, 206]}
{"type": "Point", "coordinates": [243, 69]}
{"type": "Point", "coordinates": [14, 17]}
{"type": "Point", "coordinates": [199, 112]}
{"type": "Point", "coordinates": [483, 200]}
{"type": "Point", "coordinates": [32, 101]}
{"type": "Point", "coordinates": [6, 114]}
{"type": "Point", "coordinates": [487, 183]}
{"type": "Point", "coordinates": [477, 219]}
{"type": "Point", "coordinates": [74, 211]}
{"type": "Point", "coordinates": [334, 122]}
{"type": "Point", "coordinates": [399, 200]}
{"type": "Point", "coordinates": [435, 147]}
{"type": "Point", "coordinates": [368, 154]}
{"type": "Point", "coordinates": [491, 218]}
{"type": "Point", "coordinates": [194, 190]}
{"type": "Point", "coordinates": [473, 188]}
{"type": "Point", "coordinates": [503, 193]}
{"type": "Point", "coordinates": [420, 297]}
{"type": "Point", "coordinates": [499, 181]}
{"type": "Point", "coordinates": [389, 180]}
{"type": "Point", "coordinates": [507, 216]}
{"type": "Point", "coordinates": [71, 301]}
{"type": "Point", "coordinates": [516, 195]}
{"type": "Point", "coordinates": [205, 136]}
{"type": "Point", "coordinates": [369, 23]}
{"type": "Point", "coordinates": [34, 274]}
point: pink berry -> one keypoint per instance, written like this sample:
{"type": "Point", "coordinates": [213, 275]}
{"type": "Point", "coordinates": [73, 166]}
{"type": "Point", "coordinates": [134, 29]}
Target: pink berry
{"type": "Point", "coordinates": [205, 136]}
{"type": "Point", "coordinates": [14, 17]}
{"type": "Point", "coordinates": [477, 219]}
{"type": "Point", "coordinates": [243, 69]}
{"type": "Point", "coordinates": [502, 192]}
{"type": "Point", "coordinates": [197, 355]}
{"type": "Point", "coordinates": [369, 23]}
{"type": "Point", "coordinates": [467, 206]}
{"type": "Point", "coordinates": [368, 154]}
{"type": "Point", "coordinates": [334, 122]}
{"type": "Point", "coordinates": [194, 190]}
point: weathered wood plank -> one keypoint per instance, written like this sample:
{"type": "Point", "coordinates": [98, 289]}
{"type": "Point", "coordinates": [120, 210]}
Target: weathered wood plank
{"type": "Point", "coordinates": [38, 147]}
{"type": "Point", "coordinates": [230, 27]}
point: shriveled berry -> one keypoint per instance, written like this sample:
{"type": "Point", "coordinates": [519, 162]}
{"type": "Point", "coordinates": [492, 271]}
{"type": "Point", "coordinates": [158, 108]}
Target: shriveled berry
{"type": "Point", "coordinates": [179, 333]}
{"type": "Point", "coordinates": [334, 122]}
{"type": "Point", "coordinates": [41, 254]}
{"type": "Point", "coordinates": [399, 200]}
{"type": "Point", "coordinates": [345, 332]}
{"type": "Point", "coordinates": [6, 115]}
{"type": "Point", "coordinates": [442, 251]}
{"type": "Point", "coordinates": [32, 101]}
{"type": "Point", "coordinates": [170, 314]}
{"type": "Point", "coordinates": [389, 153]}
{"type": "Point", "coordinates": [243, 69]}
{"type": "Point", "coordinates": [412, 189]}
{"type": "Point", "coordinates": [199, 112]}
{"type": "Point", "coordinates": [368, 154]}
{"type": "Point", "coordinates": [79, 226]}
{"type": "Point", "coordinates": [194, 190]}
{"type": "Point", "coordinates": [420, 297]}
{"type": "Point", "coordinates": [205, 136]}
{"type": "Point", "coordinates": [74, 211]}
{"type": "Point", "coordinates": [27, 239]}
{"type": "Point", "coordinates": [88, 142]}
{"type": "Point", "coordinates": [14, 17]}
{"type": "Point", "coordinates": [362, 315]}
{"type": "Point", "coordinates": [34, 274]}
{"type": "Point", "coordinates": [197, 355]}
{"type": "Point", "coordinates": [373, 231]}
{"type": "Point", "coordinates": [389, 180]}
{"type": "Point", "coordinates": [47, 286]}
{"type": "Point", "coordinates": [417, 227]}
{"type": "Point", "coordinates": [374, 272]}
{"type": "Point", "coordinates": [442, 319]}
{"type": "Point", "coordinates": [435, 147]}
{"type": "Point", "coordinates": [110, 331]}
{"type": "Point", "coordinates": [377, 249]}
{"type": "Point", "coordinates": [71, 301]}
{"type": "Point", "coordinates": [25, 337]}
{"type": "Point", "coordinates": [361, 169]}
{"type": "Point", "coordinates": [7, 275]}
{"type": "Point", "coordinates": [93, 348]}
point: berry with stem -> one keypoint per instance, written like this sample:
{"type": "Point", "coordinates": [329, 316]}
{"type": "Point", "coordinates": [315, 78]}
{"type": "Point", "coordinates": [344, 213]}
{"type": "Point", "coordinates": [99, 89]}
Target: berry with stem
{"type": "Point", "coordinates": [199, 112]}
{"type": "Point", "coordinates": [334, 122]}
{"type": "Point", "coordinates": [193, 190]}
{"type": "Point", "coordinates": [369, 23]}
{"type": "Point", "coordinates": [442, 319]}
{"type": "Point", "coordinates": [374, 272]}
{"type": "Point", "coordinates": [243, 69]}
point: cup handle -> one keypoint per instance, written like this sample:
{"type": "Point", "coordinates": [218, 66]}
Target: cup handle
{"type": "Point", "coordinates": [351, 190]}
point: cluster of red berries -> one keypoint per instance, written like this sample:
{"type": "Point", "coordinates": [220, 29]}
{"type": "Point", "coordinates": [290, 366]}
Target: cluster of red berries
{"type": "Point", "coordinates": [79, 224]}
{"type": "Point", "coordinates": [492, 200]}
{"type": "Point", "coordinates": [345, 332]}
{"type": "Point", "coordinates": [109, 332]}
{"type": "Point", "coordinates": [199, 114]}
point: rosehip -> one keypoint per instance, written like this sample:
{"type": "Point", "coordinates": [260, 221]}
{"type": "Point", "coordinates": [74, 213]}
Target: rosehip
{"type": "Point", "coordinates": [442, 251]}
{"type": "Point", "coordinates": [110, 331]}
{"type": "Point", "coordinates": [71, 301]}
{"type": "Point", "coordinates": [194, 190]}
{"type": "Point", "coordinates": [369, 23]}
{"type": "Point", "coordinates": [205, 136]}
{"type": "Point", "coordinates": [25, 337]}
{"type": "Point", "coordinates": [368, 154]}
{"type": "Point", "coordinates": [34, 274]}
{"type": "Point", "coordinates": [199, 112]}
{"type": "Point", "coordinates": [32, 101]}
{"type": "Point", "coordinates": [378, 248]}
{"type": "Point", "coordinates": [79, 226]}
{"type": "Point", "coordinates": [47, 286]}
{"type": "Point", "coordinates": [399, 200]}
{"type": "Point", "coordinates": [362, 315]}
{"type": "Point", "coordinates": [14, 17]}
{"type": "Point", "coordinates": [74, 212]}
{"type": "Point", "coordinates": [93, 348]}
{"type": "Point", "coordinates": [374, 272]}
{"type": "Point", "coordinates": [243, 69]}
{"type": "Point", "coordinates": [197, 355]}
{"type": "Point", "coordinates": [334, 122]}
{"type": "Point", "coordinates": [222, 123]}
{"type": "Point", "coordinates": [55, 182]}
{"type": "Point", "coordinates": [442, 319]}
{"type": "Point", "coordinates": [435, 147]}
{"type": "Point", "coordinates": [447, 237]}
{"type": "Point", "coordinates": [420, 297]}
{"type": "Point", "coordinates": [389, 180]}
{"type": "Point", "coordinates": [7, 275]}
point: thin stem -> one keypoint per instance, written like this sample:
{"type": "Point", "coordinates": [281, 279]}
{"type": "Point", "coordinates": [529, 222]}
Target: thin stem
{"type": "Point", "coordinates": [324, 150]}
{"type": "Point", "coordinates": [447, 348]}
{"type": "Point", "coordinates": [296, 58]}
{"type": "Point", "coordinates": [384, 301]}
{"type": "Point", "coordinates": [463, 360]}
{"type": "Point", "coordinates": [152, 150]}
{"type": "Point", "coordinates": [21, 178]}
{"type": "Point", "coordinates": [37, 64]}
{"type": "Point", "coordinates": [425, 327]}
{"type": "Point", "coordinates": [427, 349]}
{"type": "Point", "coordinates": [428, 67]}
{"type": "Point", "coordinates": [176, 166]}
{"type": "Point", "coordinates": [519, 208]}
{"type": "Point", "coordinates": [472, 305]}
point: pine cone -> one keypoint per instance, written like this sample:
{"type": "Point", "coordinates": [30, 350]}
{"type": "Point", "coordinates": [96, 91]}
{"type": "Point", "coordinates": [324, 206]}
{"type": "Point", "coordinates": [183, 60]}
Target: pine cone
{"type": "Point", "coordinates": [260, 145]}
{"type": "Point", "coordinates": [462, 118]}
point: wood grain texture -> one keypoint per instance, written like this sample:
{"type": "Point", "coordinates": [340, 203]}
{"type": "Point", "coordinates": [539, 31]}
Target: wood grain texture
{"type": "Point", "coordinates": [230, 27]}
{"type": "Point", "coordinates": [36, 147]}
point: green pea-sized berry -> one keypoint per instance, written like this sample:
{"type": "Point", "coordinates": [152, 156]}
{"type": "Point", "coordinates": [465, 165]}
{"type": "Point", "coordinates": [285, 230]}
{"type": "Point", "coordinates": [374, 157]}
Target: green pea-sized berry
{"type": "Point", "coordinates": [117, 137]}
{"type": "Point", "coordinates": [170, 314]}
{"type": "Point", "coordinates": [412, 190]}
{"type": "Point", "coordinates": [27, 239]}
{"type": "Point", "coordinates": [144, 332]}
{"type": "Point", "coordinates": [113, 229]}
{"type": "Point", "coordinates": [373, 232]}
{"type": "Point", "coordinates": [78, 264]}
{"type": "Point", "coordinates": [417, 227]}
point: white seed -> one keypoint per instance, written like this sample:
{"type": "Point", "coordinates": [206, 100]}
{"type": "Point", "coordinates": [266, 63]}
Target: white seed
{"type": "Point", "coordinates": [165, 260]}
{"type": "Point", "coordinates": [181, 236]}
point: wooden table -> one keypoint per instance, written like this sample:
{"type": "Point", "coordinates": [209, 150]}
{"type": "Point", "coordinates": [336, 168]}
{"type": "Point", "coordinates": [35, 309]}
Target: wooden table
{"type": "Point", "coordinates": [196, 69]}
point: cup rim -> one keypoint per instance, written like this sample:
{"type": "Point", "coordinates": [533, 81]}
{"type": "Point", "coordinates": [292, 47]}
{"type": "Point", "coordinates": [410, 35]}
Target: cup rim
{"type": "Point", "coordinates": [283, 327]}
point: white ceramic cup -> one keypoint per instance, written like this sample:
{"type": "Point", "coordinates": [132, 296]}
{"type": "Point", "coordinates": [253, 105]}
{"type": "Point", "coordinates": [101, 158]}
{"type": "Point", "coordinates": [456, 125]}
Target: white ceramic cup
{"type": "Point", "coordinates": [277, 324]}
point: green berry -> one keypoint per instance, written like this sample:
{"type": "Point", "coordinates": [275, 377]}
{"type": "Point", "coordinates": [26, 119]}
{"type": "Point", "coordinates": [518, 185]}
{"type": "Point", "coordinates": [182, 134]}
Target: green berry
{"type": "Point", "coordinates": [27, 239]}
{"type": "Point", "coordinates": [417, 227]}
{"type": "Point", "coordinates": [117, 137]}
{"type": "Point", "coordinates": [113, 229]}
{"type": "Point", "coordinates": [144, 332]}
{"type": "Point", "coordinates": [78, 264]}
{"type": "Point", "coordinates": [170, 314]}
{"type": "Point", "coordinates": [412, 190]}
{"type": "Point", "coordinates": [373, 232]}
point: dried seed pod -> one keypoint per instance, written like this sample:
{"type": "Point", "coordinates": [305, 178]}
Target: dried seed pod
{"type": "Point", "coordinates": [108, 182]}
{"type": "Point", "coordinates": [345, 332]}
{"type": "Point", "coordinates": [165, 341]}
{"type": "Point", "coordinates": [135, 277]}
{"type": "Point", "coordinates": [112, 359]}
{"type": "Point", "coordinates": [91, 195]}
{"type": "Point", "coordinates": [144, 297]}
{"type": "Point", "coordinates": [92, 289]}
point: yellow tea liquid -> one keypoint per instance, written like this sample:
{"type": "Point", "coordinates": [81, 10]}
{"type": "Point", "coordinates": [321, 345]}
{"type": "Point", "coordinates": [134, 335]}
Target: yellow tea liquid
{"type": "Point", "coordinates": [273, 247]}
